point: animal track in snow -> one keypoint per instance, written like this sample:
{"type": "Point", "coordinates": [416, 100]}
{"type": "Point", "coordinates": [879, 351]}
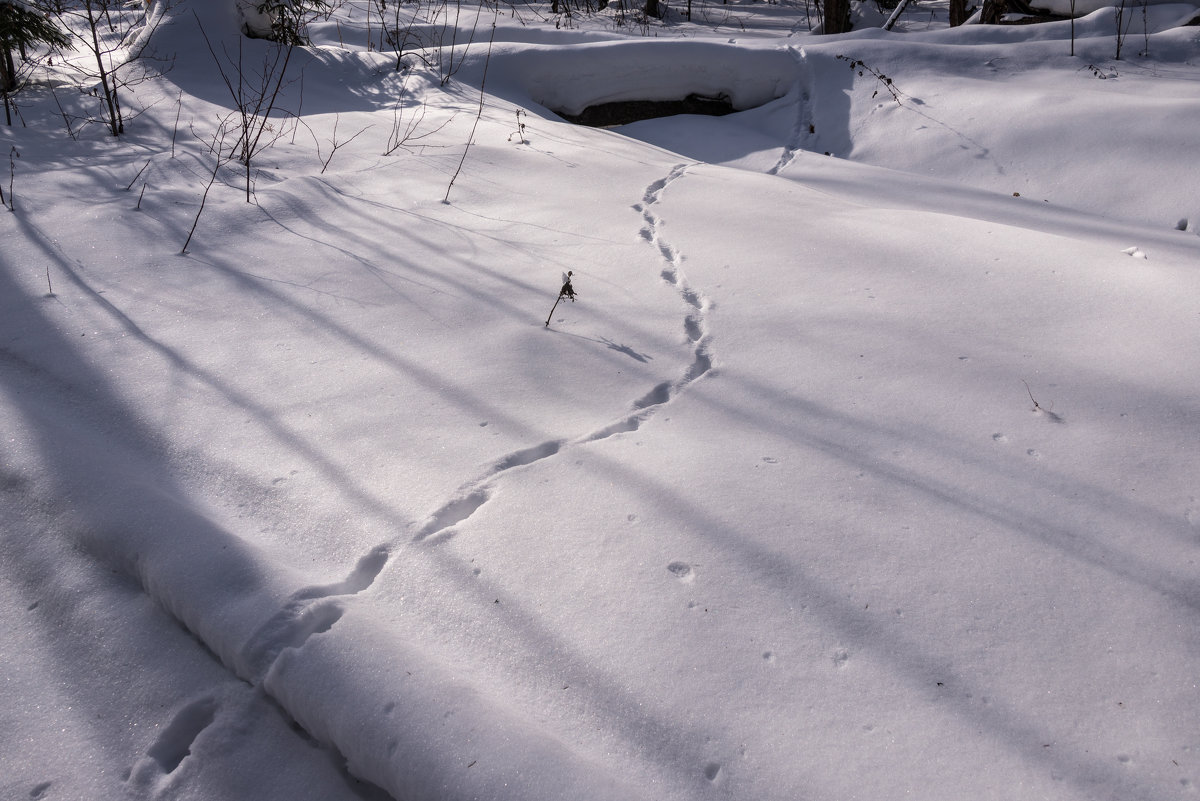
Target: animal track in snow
{"type": "Point", "coordinates": [655, 189]}
{"type": "Point", "coordinates": [682, 571]}
{"type": "Point", "coordinates": [175, 742]}
{"type": "Point", "coordinates": [692, 300]}
{"type": "Point", "coordinates": [655, 397]}
{"type": "Point", "coordinates": [312, 619]}
{"type": "Point", "coordinates": [527, 456]}
{"type": "Point", "coordinates": [475, 494]}
{"type": "Point", "coordinates": [453, 513]}
{"type": "Point", "coordinates": [361, 577]}
{"type": "Point", "coordinates": [701, 365]}
{"type": "Point", "coordinates": [625, 426]}
{"type": "Point", "coordinates": [307, 613]}
{"type": "Point", "coordinates": [804, 119]}
{"type": "Point", "coordinates": [694, 324]}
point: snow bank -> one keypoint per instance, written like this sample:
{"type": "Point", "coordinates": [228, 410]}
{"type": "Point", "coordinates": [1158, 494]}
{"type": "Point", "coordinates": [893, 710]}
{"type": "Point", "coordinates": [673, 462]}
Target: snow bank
{"type": "Point", "coordinates": [1082, 8]}
{"type": "Point", "coordinates": [573, 78]}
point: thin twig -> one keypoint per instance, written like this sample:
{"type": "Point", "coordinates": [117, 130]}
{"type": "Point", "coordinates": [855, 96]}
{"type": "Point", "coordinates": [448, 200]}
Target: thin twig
{"type": "Point", "coordinates": [1031, 398]}
{"type": "Point", "coordinates": [175, 130]}
{"type": "Point", "coordinates": [482, 83]}
{"type": "Point", "coordinates": [218, 145]}
{"type": "Point", "coordinates": [336, 144]}
{"type": "Point", "coordinates": [139, 174]}
{"type": "Point", "coordinates": [12, 171]}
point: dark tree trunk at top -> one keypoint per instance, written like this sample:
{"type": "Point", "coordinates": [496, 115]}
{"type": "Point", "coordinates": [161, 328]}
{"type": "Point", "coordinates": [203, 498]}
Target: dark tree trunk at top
{"type": "Point", "coordinates": [958, 12]}
{"type": "Point", "coordinates": [837, 16]}
{"type": "Point", "coordinates": [993, 10]}
{"type": "Point", "coordinates": [10, 70]}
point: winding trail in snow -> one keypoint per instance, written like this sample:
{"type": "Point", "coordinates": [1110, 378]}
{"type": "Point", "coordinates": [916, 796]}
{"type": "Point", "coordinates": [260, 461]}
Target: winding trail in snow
{"type": "Point", "coordinates": [695, 323]}
{"type": "Point", "coordinates": [278, 655]}
{"type": "Point", "coordinates": [275, 652]}
{"type": "Point", "coordinates": [472, 495]}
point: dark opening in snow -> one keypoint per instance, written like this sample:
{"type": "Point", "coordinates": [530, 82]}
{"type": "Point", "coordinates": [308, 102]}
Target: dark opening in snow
{"type": "Point", "coordinates": [622, 112]}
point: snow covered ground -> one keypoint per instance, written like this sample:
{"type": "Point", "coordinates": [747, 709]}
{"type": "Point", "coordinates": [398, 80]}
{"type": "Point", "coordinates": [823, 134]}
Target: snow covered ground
{"type": "Point", "coordinates": [865, 466]}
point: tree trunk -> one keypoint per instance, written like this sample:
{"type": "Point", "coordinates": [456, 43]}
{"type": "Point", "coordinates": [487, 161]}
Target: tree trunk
{"type": "Point", "coordinates": [993, 10]}
{"type": "Point", "coordinates": [837, 16]}
{"type": "Point", "coordinates": [115, 123]}
{"type": "Point", "coordinates": [9, 70]}
{"type": "Point", "coordinates": [6, 78]}
{"type": "Point", "coordinates": [958, 12]}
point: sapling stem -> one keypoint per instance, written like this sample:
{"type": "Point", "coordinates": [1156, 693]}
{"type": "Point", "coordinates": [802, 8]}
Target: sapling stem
{"type": "Point", "coordinates": [552, 308]}
{"type": "Point", "coordinates": [482, 83]}
{"type": "Point", "coordinates": [567, 291]}
{"type": "Point", "coordinates": [12, 172]}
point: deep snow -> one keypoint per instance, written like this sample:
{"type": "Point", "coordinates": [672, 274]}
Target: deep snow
{"type": "Point", "coordinates": [862, 475]}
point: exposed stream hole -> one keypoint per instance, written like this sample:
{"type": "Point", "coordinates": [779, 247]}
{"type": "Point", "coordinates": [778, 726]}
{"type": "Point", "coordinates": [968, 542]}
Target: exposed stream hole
{"type": "Point", "coordinates": [604, 115]}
